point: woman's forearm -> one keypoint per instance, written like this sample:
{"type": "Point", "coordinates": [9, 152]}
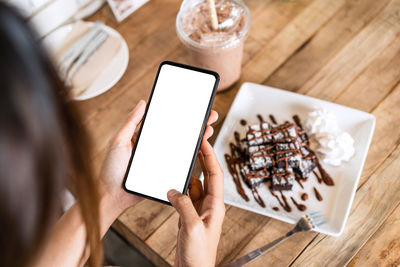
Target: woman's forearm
{"type": "Point", "coordinates": [67, 241]}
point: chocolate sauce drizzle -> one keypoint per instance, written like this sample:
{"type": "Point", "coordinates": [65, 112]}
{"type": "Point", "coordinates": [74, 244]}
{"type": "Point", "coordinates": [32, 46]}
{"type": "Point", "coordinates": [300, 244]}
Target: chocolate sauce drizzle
{"type": "Point", "coordinates": [272, 118]}
{"type": "Point", "coordinates": [265, 133]}
{"type": "Point", "coordinates": [297, 121]}
{"type": "Point", "coordinates": [324, 175]}
{"type": "Point", "coordinates": [300, 207]}
{"type": "Point", "coordinates": [284, 204]}
{"type": "Point", "coordinates": [319, 179]}
{"type": "Point", "coordinates": [243, 122]}
{"type": "Point", "coordinates": [317, 194]}
{"type": "Point", "coordinates": [275, 208]}
{"type": "Point", "coordinates": [260, 118]}
{"type": "Point", "coordinates": [232, 169]}
{"type": "Point", "coordinates": [299, 181]}
{"type": "Point", "coordinates": [304, 196]}
{"type": "Point", "coordinates": [257, 197]}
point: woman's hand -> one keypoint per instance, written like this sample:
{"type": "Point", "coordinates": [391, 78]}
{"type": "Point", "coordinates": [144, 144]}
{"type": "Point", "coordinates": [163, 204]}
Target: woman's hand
{"type": "Point", "coordinates": [116, 161]}
{"type": "Point", "coordinates": [201, 215]}
{"type": "Point", "coordinates": [117, 158]}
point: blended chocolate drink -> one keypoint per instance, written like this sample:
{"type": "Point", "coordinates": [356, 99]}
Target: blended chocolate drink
{"type": "Point", "coordinates": [219, 49]}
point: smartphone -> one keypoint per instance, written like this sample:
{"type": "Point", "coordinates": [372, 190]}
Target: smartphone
{"type": "Point", "coordinates": [171, 132]}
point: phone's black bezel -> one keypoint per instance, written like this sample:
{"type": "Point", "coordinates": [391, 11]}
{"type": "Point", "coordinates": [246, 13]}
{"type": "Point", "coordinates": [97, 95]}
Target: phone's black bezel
{"type": "Point", "coordinates": [196, 151]}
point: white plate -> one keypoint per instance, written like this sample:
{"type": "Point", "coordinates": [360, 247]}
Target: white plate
{"type": "Point", "coordinates": [111, 74]}
{"type": "Point", "coordinates": [254, 99]}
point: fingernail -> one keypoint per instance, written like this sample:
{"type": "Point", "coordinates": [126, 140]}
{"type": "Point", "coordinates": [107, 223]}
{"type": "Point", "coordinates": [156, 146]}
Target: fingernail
{"type": "Point", "coordinates": [171, 193]}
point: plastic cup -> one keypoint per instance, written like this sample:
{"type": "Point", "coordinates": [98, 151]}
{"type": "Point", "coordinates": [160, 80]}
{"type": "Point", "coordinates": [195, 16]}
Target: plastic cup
{"type": "Point", "coordinates": [221, 50]}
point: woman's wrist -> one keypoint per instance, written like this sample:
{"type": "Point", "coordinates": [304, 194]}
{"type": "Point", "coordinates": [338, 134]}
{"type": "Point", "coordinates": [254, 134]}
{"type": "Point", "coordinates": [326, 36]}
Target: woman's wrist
{"type": "Point", "coordinates": [114, 202]}
{"type": "Point", "coordinates": [110, 210]}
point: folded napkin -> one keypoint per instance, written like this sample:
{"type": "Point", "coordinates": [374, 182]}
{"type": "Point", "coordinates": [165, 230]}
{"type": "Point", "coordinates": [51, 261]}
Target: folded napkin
{"type": "Point", "coordinates": [96, 63]}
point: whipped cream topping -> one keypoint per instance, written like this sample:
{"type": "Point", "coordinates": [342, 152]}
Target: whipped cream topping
{"type": "Point", "coordinates": [334, 145]}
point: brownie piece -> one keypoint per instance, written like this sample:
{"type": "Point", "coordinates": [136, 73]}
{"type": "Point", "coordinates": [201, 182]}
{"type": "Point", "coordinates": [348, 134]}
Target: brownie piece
{"type": "Point", "coordinates": [306, 167]}
{"type": "Point", "coordinates": [287, 154]}
{"type": "Point", "coordinates": [259, 134]}
{"type": "Point", "coordinates": [260, 156]}
{"type": "Point", "coordinates": [302, 135]}
{"type": "Point", "coordinates": [285, 131]}
{"type": "Point", "coordinates": [293, 161]}
{"type": "Point", "coordinates": [287, 147]}
{"type": "Point", "coordinates": [254, 178]}
{"type": "Point", "coordinates": [282, 179]}
{"type": "Point", "coordinates": [305, 152]}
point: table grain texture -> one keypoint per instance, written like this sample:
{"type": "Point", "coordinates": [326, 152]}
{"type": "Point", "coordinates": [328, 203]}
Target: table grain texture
{"type": "Point", "coordinates": [347, 52]}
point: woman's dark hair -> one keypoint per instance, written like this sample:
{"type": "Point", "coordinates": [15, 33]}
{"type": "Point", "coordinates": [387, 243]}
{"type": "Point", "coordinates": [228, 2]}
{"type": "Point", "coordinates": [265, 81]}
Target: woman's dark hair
{"type": "Point", "coordinates": [43, 148]}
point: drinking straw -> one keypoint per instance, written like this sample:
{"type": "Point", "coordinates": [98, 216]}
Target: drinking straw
{"type": "Point", "coordinates": [213, 14]}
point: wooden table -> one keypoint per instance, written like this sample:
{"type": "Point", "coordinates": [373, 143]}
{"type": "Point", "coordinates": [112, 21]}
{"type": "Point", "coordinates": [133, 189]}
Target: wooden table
{"type": "Point", "coordinates": [346, 52]}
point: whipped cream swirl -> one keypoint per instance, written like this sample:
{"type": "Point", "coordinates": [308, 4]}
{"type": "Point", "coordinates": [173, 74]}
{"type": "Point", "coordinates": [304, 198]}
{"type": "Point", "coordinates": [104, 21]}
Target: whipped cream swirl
{"type": "Point", "coordinates": [334, 145]}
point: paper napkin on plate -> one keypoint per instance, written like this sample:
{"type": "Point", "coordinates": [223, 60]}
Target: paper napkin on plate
{"type": "Point", "coordinates": [96, 63]}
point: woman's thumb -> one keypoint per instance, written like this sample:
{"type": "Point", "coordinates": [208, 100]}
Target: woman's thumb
{"type": "Point", "coordinates": [183, 206]}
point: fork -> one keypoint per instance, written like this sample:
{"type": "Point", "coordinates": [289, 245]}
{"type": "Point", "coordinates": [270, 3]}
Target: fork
{"type": "Point", "coordinates": [306, 223]}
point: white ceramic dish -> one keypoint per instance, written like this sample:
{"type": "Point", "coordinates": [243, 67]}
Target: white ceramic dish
{"type": "Point", "coordinates": [111, 74]}
{"type": "Point", "coordinates": [254, 99]}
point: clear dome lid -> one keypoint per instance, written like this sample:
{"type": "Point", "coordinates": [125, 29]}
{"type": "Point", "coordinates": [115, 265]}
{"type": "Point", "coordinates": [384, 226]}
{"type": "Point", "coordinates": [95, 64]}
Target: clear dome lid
{"type": "Point", "coordinates": [193, 23]}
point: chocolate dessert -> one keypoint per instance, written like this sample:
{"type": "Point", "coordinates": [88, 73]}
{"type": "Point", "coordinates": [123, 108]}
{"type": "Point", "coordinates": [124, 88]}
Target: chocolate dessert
{"type": "Point", "coordinates": [274, 154]}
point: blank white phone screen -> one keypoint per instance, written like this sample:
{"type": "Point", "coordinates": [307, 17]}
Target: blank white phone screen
{"type": "Point", "coordinates": [170, 132]}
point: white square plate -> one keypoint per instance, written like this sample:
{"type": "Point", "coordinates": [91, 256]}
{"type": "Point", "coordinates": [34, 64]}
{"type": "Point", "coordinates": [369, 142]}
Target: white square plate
{"type": "Point", "coordinates": [254, 99]}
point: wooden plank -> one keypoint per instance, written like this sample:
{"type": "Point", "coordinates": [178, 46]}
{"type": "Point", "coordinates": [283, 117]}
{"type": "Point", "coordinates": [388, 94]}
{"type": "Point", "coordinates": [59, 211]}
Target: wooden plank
{"type": "Point", "coordinates": [383, 248]}
{"type": "Point", "coordinates": [276, 15]}
{"type": "Point", "coordinates": [332, 79]}
{"type": "Point", "coordinates": [151, 215]}
{"type": "Point", "coordinates": [387, 132]}
{"type": "Point", "coordinates": [374, 201]}
{"type": "Point", "coordinates": [287, 41]}
{"type": "Point", "coordinates": [325, 44]}
{"type": "Point", "coordinates": [375, 82]}
{"type": "Point", "coordinates": [171, 257]}
{"type": "Point", "coordinates": [163, 240]}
